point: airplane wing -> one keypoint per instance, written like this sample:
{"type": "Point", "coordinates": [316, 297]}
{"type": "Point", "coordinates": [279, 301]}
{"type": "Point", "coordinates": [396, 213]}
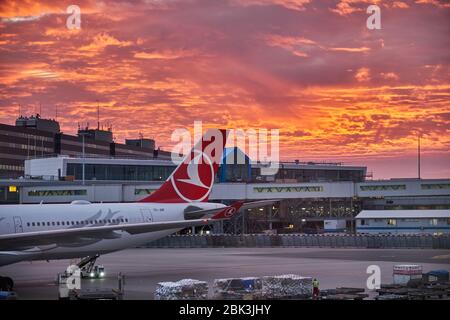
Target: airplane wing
{"type": "Point", "coordinates": [258, 204]}
{"type": "Point", "coordinates": [244, 206]}
{"type": "Point", "coordinates": [16, 241]}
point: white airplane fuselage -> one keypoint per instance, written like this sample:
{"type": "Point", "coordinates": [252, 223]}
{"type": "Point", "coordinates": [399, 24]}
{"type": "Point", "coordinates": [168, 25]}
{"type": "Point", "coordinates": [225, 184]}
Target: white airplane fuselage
{"type": "Point", "coordinates": [44, 217]}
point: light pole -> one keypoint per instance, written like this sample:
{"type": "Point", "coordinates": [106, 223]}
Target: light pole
{"type": "Point", "coordinates": [84, 163]}
{"type": "Point", "coordinates": [418, 155]}
{"type": "Point", "coordinates": [83, 134]}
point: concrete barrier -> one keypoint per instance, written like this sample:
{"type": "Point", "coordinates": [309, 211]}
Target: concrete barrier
{"type": "Point", "coordinates": [347, 241]}
{"type": "Point", "coordinates": [407, 242]}
{"type": "Point", "coordinates": [285, 240]}
{"type": "Point", "coordinates": [438, 242]}
{"type": "Point", "coordinates": [299, 241]}
{"type": "Point", "coordinates": [303, 240]}
{"type": "Point", "coordinates": [275, 241]}
{"type": "Point", "coordinates": [333, 240]}
{"type": "Point", "coordinates": [227, 241]}
{"type": "Point", "coordinates": [424, 241]}
{"type": "Point", "coordinates": [258, 240]}
{"type": "Point", "coordinates": [340, 241]}
{"type": "Point", "coordinates": [416, 241]}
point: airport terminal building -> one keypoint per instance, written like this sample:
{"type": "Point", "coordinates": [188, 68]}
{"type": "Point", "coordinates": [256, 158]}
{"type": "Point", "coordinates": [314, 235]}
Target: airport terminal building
{"type": "Point", "coordinates": [35, 137]}
{"type": "Point", "coordinates": [314, 197]}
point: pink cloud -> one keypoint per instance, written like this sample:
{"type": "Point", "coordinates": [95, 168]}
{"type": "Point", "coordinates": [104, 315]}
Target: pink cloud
{"type": "Point", "coordinates": [336, 89]}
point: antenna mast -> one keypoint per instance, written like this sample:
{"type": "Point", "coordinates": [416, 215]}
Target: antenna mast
{"type": "Point", "coordinates": [98, 116]}
{"type": "Point", "coordinates": [418, 155]}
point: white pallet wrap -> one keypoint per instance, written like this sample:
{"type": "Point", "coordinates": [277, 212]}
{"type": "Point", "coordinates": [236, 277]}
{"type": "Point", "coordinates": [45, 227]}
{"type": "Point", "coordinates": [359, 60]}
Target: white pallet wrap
{"type": "Point", "coordinates": [406, 272]}
{"type": "Point", "coordinates": [186, 289]}
{"type": "Point", "coordinates": [237, 288]}
{"type": "Point", "coordinates": [286, 286]}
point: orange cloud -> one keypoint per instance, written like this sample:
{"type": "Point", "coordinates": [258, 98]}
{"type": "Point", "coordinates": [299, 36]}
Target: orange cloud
{"type": "Point", "coordinates": [400, 5]}
{"type": "Point", "coordinates": [389, 76]}
{"type": "Point", "coordinates": [437, 3]}
{"type": "Point", "coordinates": [362, 49]}
{"type": "Point", "coordinates": [167, 54]}
{"type": "Point", "coordinates": [295, 45]}
{"type": "Point", "coordinates": [324, 80]}
{"type": "Point", "coordinates": [100, 42]}
{"type": "Point", "coordinates": [362, 75]}
{"type": "Point", "coordinates": [289, 4]}
{"type": "Point", "coordinates": [30, 8]}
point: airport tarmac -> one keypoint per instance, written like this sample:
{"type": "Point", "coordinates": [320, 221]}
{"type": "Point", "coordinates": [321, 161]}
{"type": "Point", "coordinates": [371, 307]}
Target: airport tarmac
{"type": "Point", "coordinates": [144, 268]}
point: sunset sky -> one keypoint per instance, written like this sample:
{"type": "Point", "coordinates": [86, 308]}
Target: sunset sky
{"type": "Point", "coordinates": [336, 90]}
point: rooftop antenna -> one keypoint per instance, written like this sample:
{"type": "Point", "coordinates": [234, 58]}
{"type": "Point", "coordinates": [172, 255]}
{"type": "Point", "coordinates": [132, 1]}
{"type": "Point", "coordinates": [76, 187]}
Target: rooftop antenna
{"type": "Point", "coordinates": [98, 116]}
{"type": "Point", "coordinates": [20, 110]}
{"type": "Point", "coordinates": [56, 112]}
{"type": "Point", "coordinates": [40, 109]}
{"type": "Point", "coordinates": [418, 155]}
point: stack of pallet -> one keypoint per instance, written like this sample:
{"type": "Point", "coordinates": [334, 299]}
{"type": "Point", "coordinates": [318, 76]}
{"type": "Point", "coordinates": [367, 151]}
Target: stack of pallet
{"type": "Point", "coordinates": [289, 286]}
{"type": "Point", "coordinates": [344, 293]}
{"type": "Point", "coordinates": [421, 291]}
{"type": "Point", "coordinates": [237, 288]}
{"type": "Point", "coordinates": [403, 273]}
{"type": "Point", "coordinates": [186, 289]}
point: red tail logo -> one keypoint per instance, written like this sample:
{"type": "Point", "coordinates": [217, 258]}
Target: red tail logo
{"type": "Point", "coordinates": [193, 179]}
{"type": "Point", "coordinates": [228, 212]}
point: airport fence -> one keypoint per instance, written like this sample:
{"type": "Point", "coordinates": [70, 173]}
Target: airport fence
{"type": "Point", "coordinates": [303, 240]}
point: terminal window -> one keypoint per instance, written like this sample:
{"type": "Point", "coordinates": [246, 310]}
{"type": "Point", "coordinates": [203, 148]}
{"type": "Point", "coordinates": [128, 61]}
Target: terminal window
{"type": "Point", "coordinates": [383, 187]}
{"type": "Point", "coordinates": [434, 186]}
{"type": "Point", "coordinates": [57, 193]}
{"type": "Point", "coordinates": [392, 222]}
{"type": "Point", "coordinates": [289, 189]}
{"type": "Point", "coordinates": [6, 196]}
{"type": "Point", "coordinates": [139, 192]}
{"type": "Point", "coordinates": [120, 172]}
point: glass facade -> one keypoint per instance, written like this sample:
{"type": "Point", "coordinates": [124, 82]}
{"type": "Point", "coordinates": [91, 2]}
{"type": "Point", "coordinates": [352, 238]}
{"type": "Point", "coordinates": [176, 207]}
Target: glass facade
{"type": "Point", "coordinates": [309, 175]}
{"type": "Point", "coordinates": [234, 173]}
{"type": "Point", "coordinates": [227, 173]}
{"type": "Point", "coordinates": [57, 193]}
{"type": "Point", "coordinates": [300, 215]}
{"type": "Point", "coordinates": [288, 189]}
{"type": "Point", "coordinates": [435, 186]}
{"type": "Point", "coordinates": [119, 172]}
{"type": "Point", "coordinates": [9, 195]}
{"type": "Point", "coordinates": [143, 192]}
{"type": "Point", "coordinates": [383, 187]}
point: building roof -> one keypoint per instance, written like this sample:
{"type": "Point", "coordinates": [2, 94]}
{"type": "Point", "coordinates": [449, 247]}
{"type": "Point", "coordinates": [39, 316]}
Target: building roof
{"type": "Point", "coordinates": [400, 214]}
{"type": "Point", "coordinates": [315, 166]}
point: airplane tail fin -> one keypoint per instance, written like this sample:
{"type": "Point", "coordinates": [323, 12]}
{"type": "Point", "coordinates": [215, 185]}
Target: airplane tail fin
{"type": "Point", "coordinates": [193, 179]}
